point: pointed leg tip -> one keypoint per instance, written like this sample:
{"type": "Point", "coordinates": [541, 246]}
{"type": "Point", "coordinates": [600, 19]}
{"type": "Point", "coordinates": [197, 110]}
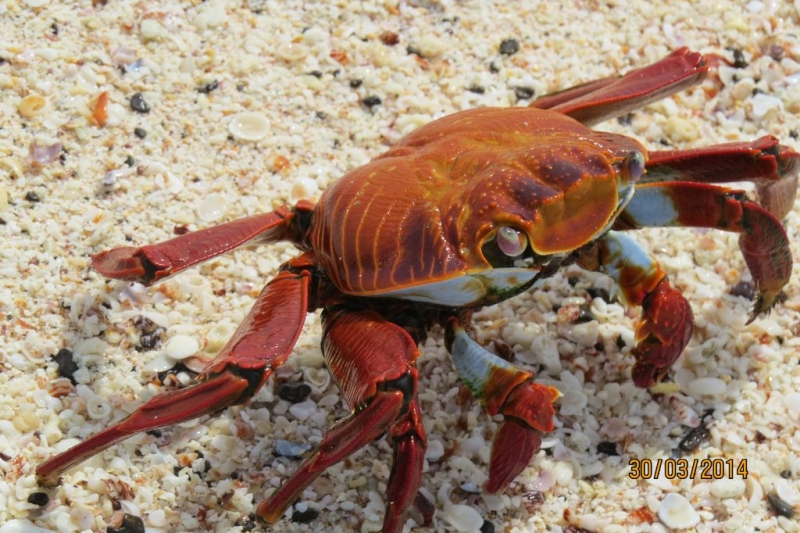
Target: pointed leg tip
{"type": "Point", "coordinates": [47, 480]}
{"type": "Point", "coordinates": [121, 263]}
{"type": "Point", "coordinates": [268, 512]}
{"type": "Point", "coordinates": [764, 303]}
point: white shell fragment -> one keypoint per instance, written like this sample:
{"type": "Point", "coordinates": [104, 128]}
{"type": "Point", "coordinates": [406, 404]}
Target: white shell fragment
{"type": "Point", "coordinates": [23, 526]}
{"type": "Point", "coordinates": [212, 207]}
{"type": "Point", "coordinates": [181, 346]}
{"type": "Point", "coordinates": [677, 512]}
{"type": "Point", "coordinates": [764, 103]}
{"type": "Point", "coordinates": [249, 126]}
{"type": "Point", "coordinates": [286, 448]}
{"type": "Point", "coordinates": [303, 189]}
{"type": "Point", "coordinates": [463, 518]}
{"type": "Point", "coordinates": [707, 387]}
{"type": "Point", "coordinates": [728, 488]}
{"type": "Point", "coordinates": [303, 410]}
{"type": "Point", "coordinates": [435, 451]}
{"type": "Point", "coordinates": [159, 363]}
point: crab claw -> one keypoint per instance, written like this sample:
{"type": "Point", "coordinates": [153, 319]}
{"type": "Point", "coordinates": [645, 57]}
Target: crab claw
{"type": "Point", "coordinates": [665, 330]}
{"type": "Point", "coordinates": [528, 412]}
{"type": "Point", "coordinates": [502, 388]}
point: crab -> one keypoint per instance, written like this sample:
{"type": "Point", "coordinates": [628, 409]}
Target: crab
{"type": "Point", "coordinates": [463, 213]}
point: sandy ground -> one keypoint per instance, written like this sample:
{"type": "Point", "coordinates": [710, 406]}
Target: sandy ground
{"type": "Point", "coordinates": [333, 84]}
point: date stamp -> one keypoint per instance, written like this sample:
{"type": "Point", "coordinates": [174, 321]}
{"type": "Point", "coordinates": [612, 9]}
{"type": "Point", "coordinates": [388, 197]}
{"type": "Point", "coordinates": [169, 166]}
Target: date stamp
{"type": "Point", "coordinates": [710, 468]}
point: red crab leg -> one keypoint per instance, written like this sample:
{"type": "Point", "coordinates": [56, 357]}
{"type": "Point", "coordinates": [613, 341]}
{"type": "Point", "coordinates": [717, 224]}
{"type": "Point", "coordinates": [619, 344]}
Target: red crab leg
{"type": "Point", "coordinates": [770, 165]}
{"type": "Point", "coordinates": [667, 319]}
{"type": "Point", "coordinates": [372, 360]}
{"type": "Point", "coordinates": [261, 343]}
{"type": "Point", "coordinates": [527, 407]}
{"type": "Point", "coordinates": [602, 99]}
{"type": "Point", "coordinates": [763, 240]}
{"type": "Point", "coordinates": [152, 263]}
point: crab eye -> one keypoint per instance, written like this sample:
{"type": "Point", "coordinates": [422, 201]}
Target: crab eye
{"type": "Point", "coordinates": [633, 166]}
{"type": "Point", "coordinates": [511, 241]}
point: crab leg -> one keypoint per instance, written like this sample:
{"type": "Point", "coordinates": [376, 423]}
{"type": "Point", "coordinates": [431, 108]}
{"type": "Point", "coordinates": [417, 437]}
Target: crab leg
{"type": "Point", "coordinates": [261, 343]}
{"type": "Point", "coordinates": [763, 239]}
{"type": "Point", "coordinates": [152, 263]}
{"type": "Point", "coordinates": [770, 165]}
{"type": "Point", "coordinates": [667, 319]}
{"type": "Point", "coordinates": [527, 407]}
{"type": "Point", "coordinates": [372, 360]}
{"type": "Point", "coordinates": [602, 99]}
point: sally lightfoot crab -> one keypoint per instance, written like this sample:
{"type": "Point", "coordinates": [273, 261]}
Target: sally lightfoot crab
{"type": "Point", "coordinates": [466, 212]}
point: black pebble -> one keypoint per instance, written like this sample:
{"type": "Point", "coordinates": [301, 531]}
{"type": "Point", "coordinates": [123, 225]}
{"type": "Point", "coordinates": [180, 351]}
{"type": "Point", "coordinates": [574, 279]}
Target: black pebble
{"type": "Point", "coordinates": [509, 47]}
{"type": "Point", "coordinates": [294, 392]}
{"type": "Point", "coordinates": [523, 93]}
{"type": "Point", "coordinates": [130, 524]}
{"type": "Point", "coordinates": [779, 506]}
{"type": "Point", "coordinates": [305, 517]}
{"type": "Point", "coordinates": [139, 104]}
{"type": "Point", "coordinates": [371, 101]}
{"type": "Point", "coordinates": [66, 364]}
{"type": "Point", "coordinates": [608, 448]}
{"type": "Point", "coordinates": [208, 87]}
{"type": "Point", "coordinates": [38, 498]}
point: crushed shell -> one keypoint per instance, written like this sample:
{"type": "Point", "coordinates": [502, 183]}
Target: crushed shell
{"type": "Point", "coordinates": [249, 126]}
{"type": "Point", "coordinates": [677, 512]}
{"type": "Point", "coordinates": [32, 106]}
{"type": "Point", "coordinates": [463, 518]}
{"type": "Point", "coordinates": [305, 69]}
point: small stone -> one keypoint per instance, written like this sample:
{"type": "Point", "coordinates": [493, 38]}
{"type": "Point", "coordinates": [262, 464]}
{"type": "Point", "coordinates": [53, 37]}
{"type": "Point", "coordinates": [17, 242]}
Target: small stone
{"type": "Point", "coordinates": [764, 103]}
{"type": "Point", "coordinates": [509, 47]}
{"type": "Point", "coordinates": [779, 506]}
{"type": "Point", "coordinates": [435, 451]}
{"type": "Point", "coordinates": [66, 364]}
{"type": "Point", "coordinates": [208, 87]}
{"type": "Point", "coordinates": [463, 518]}
{"type": "Point", "coordinates": [304, 517]}
{"type": "Point", "coordinates": [303, 410]}
{"type": "Point", "coordinates": [786, 491]}
{"type": "Point", "coordinates": [212, 207]}
{"type": "Point", "coordinates": [140, 132]}
{"type": "Point", "coordinates": [22, 526]}
{"type": "Point", "coordinates": [707, 387]}
{"type": "Point", "coordinates": [745, 289]}
{"type": "Point", "coordinates": [523, 93]}
{"type": "Point", "coordinates": [38, 498]}
{"type": "Point", "coordinates": [248, 126]}
{"type": "Point", "coordinates": [728, 488]}
{"type": "Point", "coordinates": [181, 346]}
{"type": "Point", "coordinates": [608, 448]}
{"type": "Point", "coordinates": [792, 403]}
{"type": "Point", "coordinates": [294, 392]}
{"type": "Point", "coordinates": [677, 512]}
{"type": "Point", "coordinates": [544, 482]}
{"type": "Point", "coordinates": [389, 38]}
{"type": "Point", "coordinates": [563, 473]}
{"type": "Point", "coordinates": [285, 448]}
{"type": "Point", "coordinates": [130, 524]}
{"type": "Point", "coordinates": [371, 101]}
{"type": "Point", "coordinates": [139, 104]}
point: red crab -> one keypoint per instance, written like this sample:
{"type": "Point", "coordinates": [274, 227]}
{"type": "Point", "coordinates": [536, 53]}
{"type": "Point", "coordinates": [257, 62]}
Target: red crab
{"type": "Point", "coordinates": [465, 212]}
